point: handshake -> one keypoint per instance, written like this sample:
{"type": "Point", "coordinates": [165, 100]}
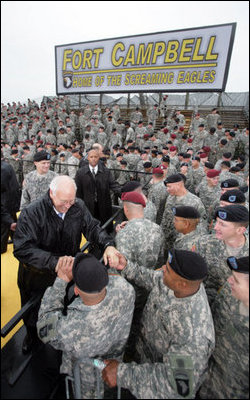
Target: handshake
{"type": "Point", "coordinates": [64, 268]}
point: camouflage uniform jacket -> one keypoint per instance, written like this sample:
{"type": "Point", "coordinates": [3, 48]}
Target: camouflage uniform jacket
{"type": "Point", "coordinates": [150, 211]}
{"type": "Point", "coordinates": [28, 164]}
{"type": "Point", "coordinates": [228, 373]}
{"type": "Point", "coordinates": [73, 166]}
{"type": "Point", "coordinates": [176, 334]}
{"type": "Point", "coordinates": [158, 194]}
{"type": "Point", "coordinates": [98, 331]}
{"type": "Point", "coordinates": [215, 252]}
{"type": "Point", "coordinates": [141, 241]}
{"type": "Point", "coordinates": [188, 241]}
{"type": "Point", "coordinates": [208, 195]}
{"type": "Point", "coordinates": [35, 186]}
{"type": "Point", "coordinates": [167, 220]}
{"type": "Point", "coordinates": [198, 174]}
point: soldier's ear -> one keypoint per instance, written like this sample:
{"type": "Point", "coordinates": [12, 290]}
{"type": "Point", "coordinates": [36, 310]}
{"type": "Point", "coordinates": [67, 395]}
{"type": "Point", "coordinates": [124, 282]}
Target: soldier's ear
{"type": "Point", "coordinates": [76, 290]}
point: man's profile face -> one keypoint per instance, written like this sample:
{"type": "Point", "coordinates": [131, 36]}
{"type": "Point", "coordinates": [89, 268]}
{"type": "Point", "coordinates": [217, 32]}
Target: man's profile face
{"type": "Point", "coordinates": [239, 284]}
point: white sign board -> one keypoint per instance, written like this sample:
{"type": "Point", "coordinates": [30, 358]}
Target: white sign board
{"type": "Point", "coordinates": [188, 60]}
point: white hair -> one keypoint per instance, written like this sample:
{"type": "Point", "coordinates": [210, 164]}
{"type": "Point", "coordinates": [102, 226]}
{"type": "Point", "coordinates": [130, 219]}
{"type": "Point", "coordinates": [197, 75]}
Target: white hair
{"type": "Point", "coordinates": [60, 181]}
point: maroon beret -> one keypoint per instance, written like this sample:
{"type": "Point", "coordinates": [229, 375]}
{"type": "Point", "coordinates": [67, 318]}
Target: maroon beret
{"type": "Point", "coordinates": [212, 173]}
{"type": "Point", "coordinates": [157, 170]}
{"type": "Point", "coordinates": [173, 148]}
{"type": "Point", "coordinates": [133, 197]}
{"type": "Point", "coordinates": [203, 155]}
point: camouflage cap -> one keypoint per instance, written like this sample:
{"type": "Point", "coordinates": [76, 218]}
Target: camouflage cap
{"type": "Point", "coordinates": [187, 264]}
{"type": "Point", "coordinates": [89, 274]}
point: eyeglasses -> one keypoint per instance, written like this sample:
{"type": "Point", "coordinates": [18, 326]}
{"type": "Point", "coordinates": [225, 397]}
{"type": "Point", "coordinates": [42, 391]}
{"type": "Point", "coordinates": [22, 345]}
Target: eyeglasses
{"type": "Point", "coordinates": [65, 202]}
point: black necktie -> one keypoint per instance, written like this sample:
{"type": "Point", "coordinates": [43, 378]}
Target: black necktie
{"type": "Point", "coordinates": [95, 195]}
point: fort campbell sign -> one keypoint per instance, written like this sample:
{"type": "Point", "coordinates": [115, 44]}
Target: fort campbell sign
{"type": "Point", "coordinates": [190, 60]}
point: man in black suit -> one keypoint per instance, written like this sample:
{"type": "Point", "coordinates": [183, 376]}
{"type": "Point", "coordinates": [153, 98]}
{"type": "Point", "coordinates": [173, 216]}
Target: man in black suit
{"type": "Point", "coordinates": [94, 182]}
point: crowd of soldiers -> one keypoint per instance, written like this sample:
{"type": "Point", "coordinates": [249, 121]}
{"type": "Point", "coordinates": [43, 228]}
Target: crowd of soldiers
{"type": "Point", "coordinates": [184, 190]}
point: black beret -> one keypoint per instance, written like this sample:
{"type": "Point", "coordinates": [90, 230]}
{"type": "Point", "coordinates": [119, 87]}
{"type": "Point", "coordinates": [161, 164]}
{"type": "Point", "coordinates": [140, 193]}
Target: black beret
{"type": "Point", "coordinates": [186, 212]}
{"type": "Point", "coordinates": [233, 213]}
{"type": "Point", "coordinates": [228, 183]}
{"type": "Point", "coordinates": [147, 164]}
{"type": "Point", "coordinates": [233, 196]}
{"type": "Point", "coordinates": [234, 169]}
{"type": "Point", "coordinates": [175, 178]}
{"type": "Point", "coordinates": [239, 264]}
{"type": "Point", "coordinates": [209, 165]}
{"type": "Point", "coordinates": [227, 155]}
{"type": "Point", "coordinates": [41, 155]}
{"type": "Point", "coordinates": [223, 141]}
{"type": "Point", "coordinates": [226, 163]}
{"type": "Point", "coordinates": [123, 162]}
{"type": "Point", "coordinates": [184, 164]}
{"type": "Point", "coordinates": [89, 274]}
{"type": "Point", "coordinates": [130, 186]}
{"type": "Point", "coordinates": [187, 264]}
{"type": "Point", "coordinates": [187, 155]}
{"type": "Point", "coordinates": [166, 158]}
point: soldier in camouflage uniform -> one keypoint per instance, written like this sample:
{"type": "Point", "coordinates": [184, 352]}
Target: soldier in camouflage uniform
{"type": "Point", "coordinates": [196, 121]}
{"type": "Point", "coordinates": [212, 119]}
{"type": "Point", "coordinates": [152, 114]}
{"type": "Point", "coordinates": [97, 323]}
{"type": "Point", "coordinates": [141, 242]}
{"type": "Point", "coordinates": [186, 219]}
{"type": "Point", "coordinates": [157, 193]}
{"type": "Point", "coordinates": [28, 164]}
{"type": "Point", "coordinates": [230, 239]}
{"type": "Point", "coordinates": [199, 138]}
{"type": "Point", "coordinates": [135, 117]}
{"type": "Point", "coordinates": [197, 171]}
{"type": "Point", "coordinates": [37, 182]}
{"type": "Point", "coordinates": [210, 190]}
{"type": "Point", "coordinates": [228, 373]}
{"type": "Point", "coordinates": [61, 166]}
{"type": "Point", "coordinates": [177, 333]}
{"type": "Point", "coordinates": [179, 195]}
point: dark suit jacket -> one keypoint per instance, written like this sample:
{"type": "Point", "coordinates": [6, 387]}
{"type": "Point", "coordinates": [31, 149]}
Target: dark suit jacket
{"type": "Point", "coordinates": [103, 182]}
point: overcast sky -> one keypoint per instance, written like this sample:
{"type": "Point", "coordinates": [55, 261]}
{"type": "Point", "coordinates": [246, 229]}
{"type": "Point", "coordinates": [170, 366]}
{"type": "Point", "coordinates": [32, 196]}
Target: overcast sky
{"type": "Point", "coordinates": [31, 29]}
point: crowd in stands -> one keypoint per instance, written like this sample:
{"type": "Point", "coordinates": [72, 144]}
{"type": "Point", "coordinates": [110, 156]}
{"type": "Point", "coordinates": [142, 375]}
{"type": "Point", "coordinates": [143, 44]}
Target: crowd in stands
{"type": "Point", "coordinates": [184, 190]}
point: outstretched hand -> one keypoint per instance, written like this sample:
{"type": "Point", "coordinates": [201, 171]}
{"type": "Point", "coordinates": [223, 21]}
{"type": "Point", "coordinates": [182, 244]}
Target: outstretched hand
{"type": "Point", "coordinates": [64, 268]}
